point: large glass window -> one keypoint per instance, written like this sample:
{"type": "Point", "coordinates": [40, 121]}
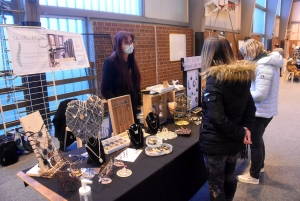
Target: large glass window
{"type": "Point", "coordinates": [259, 21]}
{"type": "Point", "coordinates": [69, 25]}
{"type": "Point", "coordinates": [278, 8]}
{"type": "Point", "coordinates": [262, 3]}
{"type": "Point", "coordinates": [131, 7]}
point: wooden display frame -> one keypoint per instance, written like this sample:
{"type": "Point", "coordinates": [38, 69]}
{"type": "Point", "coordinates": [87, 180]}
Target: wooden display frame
{"type": "Point", "coordinates": [121, 115]}
{"type": "Point", "coordinates": [34, 123]}
{"type": "Point", "coordinates": [150, 101]}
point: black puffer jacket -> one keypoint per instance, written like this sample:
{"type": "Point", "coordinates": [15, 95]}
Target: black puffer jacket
{"type": "Point", "coordinates": [227, 107]}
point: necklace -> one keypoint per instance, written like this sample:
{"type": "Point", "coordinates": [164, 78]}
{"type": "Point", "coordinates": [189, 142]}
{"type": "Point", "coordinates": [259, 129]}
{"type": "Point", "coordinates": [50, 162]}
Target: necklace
{"type": "Point", "coordinates": [99, 157]}
{"type": "Point", "coordinates": [149, 118]}
{"type": "Point", "coordinates": [135, 133]}
{"type": "Point", "coordinates": [150, 122]}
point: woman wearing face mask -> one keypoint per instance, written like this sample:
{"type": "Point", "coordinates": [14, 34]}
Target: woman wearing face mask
{"type": "Point", "coordinates": [121, 74]}
{"type": "Point", "coordinates": [264, 90]}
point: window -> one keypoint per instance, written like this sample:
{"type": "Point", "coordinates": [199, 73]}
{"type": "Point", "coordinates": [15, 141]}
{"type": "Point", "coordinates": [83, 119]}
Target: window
{"type": "Point", "coordinates": [259, 21]}
{"type": "Point", "coordinates": [262, 3]}
{"type": "Point", "coordinates": [278, 8]}
{"type": "Point", "coordinates": [12, 92]}
{"type": "Point", "coordinates": [7, 19]}
{"type": "Point", "coordinates": [6, 97]}
{"type": "Point", "coordinates": [131, 7]}
{"type": "Point", "coordinates": [69, 25]}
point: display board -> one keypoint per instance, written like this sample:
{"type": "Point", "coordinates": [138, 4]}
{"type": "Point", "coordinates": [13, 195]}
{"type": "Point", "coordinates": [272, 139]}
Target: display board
{"type": "Point", "coordinates": [38, 50]}
{"type": "Point", "coordinates": [191, 79]}
{"type": "Point", "coordinates": [177, 46]}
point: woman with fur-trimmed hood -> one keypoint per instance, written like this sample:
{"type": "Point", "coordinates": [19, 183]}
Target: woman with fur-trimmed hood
{"type": "Point", "coordinates": [228, 114]}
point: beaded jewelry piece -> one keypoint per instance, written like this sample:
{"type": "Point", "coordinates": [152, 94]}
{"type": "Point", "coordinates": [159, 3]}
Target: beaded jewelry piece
{"type": "Point", "coordinates": [152, 122]}
{"type": "Point", "coordinates": [136, 136]}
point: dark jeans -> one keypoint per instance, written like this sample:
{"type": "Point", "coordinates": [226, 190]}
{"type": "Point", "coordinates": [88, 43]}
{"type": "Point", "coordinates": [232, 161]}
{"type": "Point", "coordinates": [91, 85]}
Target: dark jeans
{"type": "Point", "coordinates": [258, 146]}
{"type": "Point", "coordinates": [222, 182]}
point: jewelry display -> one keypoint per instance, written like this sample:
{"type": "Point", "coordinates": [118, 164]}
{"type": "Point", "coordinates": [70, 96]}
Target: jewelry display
{"type": "Point", "coordinates": [163, 149]}
{"type": "Point", "coordinates": [197, 120]}
{"type": "Point", "coordinates": [165, 134]}
{"type": "Point", "coordinates": [84, 118]}
{"type": "Point", "coordinates": [136, 136]}
{"type": "Point", "coordinates": [182, 110]}
{"type": "Point", "coordinates": [153, 141]}
{"type": "Point", "coordinates": [124, 172]}
{"type": "Point", "coordinates": [65, 172]}
{"type": "Point", "coordinates": [191, 66]}
{"type": "Point", "coordinates": [152, 120]}
{"type": "Point", "coordinates": [183, 131]}
{"type": "Point", "coordinates": [89, 173]}
{"type": "Point", "coordinates": [79, 159]}
{"type": "Point", "coordinates": [41, 143]}
{"type": "Point", "coordinates": [95, 151]}
{"type": "Point", "coordinates": [105, 171]}
{"type": "Point", "coordinates": [114, 144]}
{"type": "Point", "coordinates": [117, 160]}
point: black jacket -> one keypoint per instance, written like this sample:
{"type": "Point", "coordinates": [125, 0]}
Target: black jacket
{"type": "Point", "coordinates": [59, 122]}
{"type": "Point", "coordinates": [227, 107]}
{"type": "Point", "coordinates": [112, 87]}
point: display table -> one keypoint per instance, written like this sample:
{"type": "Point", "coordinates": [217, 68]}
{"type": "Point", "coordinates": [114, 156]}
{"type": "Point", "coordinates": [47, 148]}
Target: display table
{"type": "Point", "coordinates": [176, 176]}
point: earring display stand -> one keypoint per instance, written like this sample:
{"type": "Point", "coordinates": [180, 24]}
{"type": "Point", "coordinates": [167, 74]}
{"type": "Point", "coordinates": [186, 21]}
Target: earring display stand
{"type": "Point", "coordinates": [121, 114]}
{"type": "Point", "coordinates": [38, 137]}
{"type": "Point", "coordinates": [191, 79]}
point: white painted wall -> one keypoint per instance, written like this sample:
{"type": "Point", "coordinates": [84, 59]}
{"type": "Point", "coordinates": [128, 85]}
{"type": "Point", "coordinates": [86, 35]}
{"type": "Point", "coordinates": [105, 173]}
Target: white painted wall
{"type": "Point", "coordinates": [175, 10]}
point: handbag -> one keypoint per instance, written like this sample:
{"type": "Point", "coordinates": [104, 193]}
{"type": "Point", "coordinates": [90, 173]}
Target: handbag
{"type": "Point", "coordinates": [8, 151]}
{"type": "Point", "coordinates": [22, 141]}
{"type": "Point", "coordinates": [152, 120]}
{"type": "Point", "coordinates": [95, 151]}
{"type": "Point", "coordinates": [136, 136]}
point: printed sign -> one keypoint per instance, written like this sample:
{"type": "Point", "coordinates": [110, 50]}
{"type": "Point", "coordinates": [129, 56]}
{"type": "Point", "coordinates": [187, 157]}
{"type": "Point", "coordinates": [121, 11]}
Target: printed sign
{"type": "Point", "coordinates": [38, 50]}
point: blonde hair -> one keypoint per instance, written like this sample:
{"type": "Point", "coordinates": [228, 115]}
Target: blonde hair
{"type": "Point", "coordinates": [216, 51]}
{"type": "Point", "coordinates": [252, 48]}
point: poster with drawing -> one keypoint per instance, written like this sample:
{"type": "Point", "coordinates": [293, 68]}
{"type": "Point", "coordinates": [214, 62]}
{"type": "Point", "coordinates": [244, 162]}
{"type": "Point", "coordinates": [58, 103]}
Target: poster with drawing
{"type": "Point", "coordinates": [38, 50]}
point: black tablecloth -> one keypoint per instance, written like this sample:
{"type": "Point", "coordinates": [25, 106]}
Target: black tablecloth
{"type": "Point", "coordinates": [176, 176]}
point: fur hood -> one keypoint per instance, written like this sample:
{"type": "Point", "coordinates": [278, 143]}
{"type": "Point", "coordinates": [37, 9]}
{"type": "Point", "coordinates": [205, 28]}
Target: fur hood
{"type": "Point", "coordinates": [241, 71]}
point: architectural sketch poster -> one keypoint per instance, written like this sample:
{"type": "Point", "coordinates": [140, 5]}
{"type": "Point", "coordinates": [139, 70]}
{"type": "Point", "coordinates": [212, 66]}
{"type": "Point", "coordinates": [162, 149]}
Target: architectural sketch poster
{"type": "Point", "coordinates": [38, 50]}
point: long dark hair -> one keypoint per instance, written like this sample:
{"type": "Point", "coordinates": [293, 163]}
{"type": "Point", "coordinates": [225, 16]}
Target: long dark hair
{"type": "Point", "coordinates": [216, 51]}
{"type": "Point", "coordinates": [130, 81]}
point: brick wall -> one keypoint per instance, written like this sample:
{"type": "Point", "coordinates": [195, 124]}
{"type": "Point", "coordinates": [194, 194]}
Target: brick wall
{"type": "Point", "coordinates": [144, 50]}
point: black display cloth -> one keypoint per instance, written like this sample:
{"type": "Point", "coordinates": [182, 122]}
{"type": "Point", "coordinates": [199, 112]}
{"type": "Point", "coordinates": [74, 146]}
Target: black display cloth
{"type": "Point", "coordinates": [176, 176]}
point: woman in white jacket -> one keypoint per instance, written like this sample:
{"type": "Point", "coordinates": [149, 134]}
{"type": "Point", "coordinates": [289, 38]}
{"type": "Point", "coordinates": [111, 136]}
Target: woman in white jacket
{"type": "Point", "coordinates": [264, 90]}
